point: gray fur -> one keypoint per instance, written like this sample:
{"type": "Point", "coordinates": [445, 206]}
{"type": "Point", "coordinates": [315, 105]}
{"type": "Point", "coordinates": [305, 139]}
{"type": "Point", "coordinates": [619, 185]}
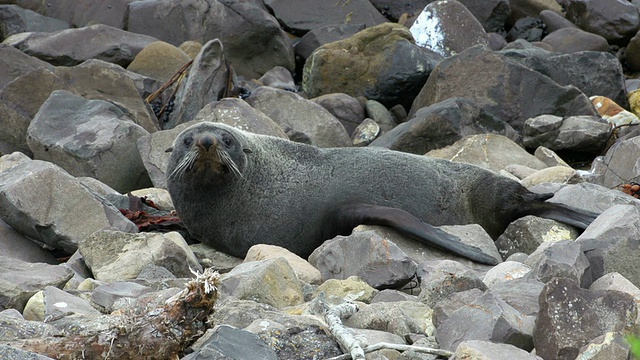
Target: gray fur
{"type": "Point", "coordinates": [288, 191]}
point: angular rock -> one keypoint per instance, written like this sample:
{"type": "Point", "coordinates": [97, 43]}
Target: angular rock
{"type": "Point", "coordinates": [570, 317]}
{"type": "Point", "coordinates": [52, 304]}
{"type": "Point", "coordinates": [80, 13]}
{"type": "Point", "coordinates": [381, 63]}
{"type": "Point", "coordinates": [442, 124]}
{"type": "Point", "coordinates": [16, 20]}
{"type": "Point", "coordinates": [447, 27]}
{"type": "Point", "coordinates": [379, 113]}
{"type": "Point", "coordinates": [441, 279]}
{"type": "Point", "coordinates": [116, 256]}
{"type": "Point", "coordinates": [522, 293]}
{"type": "Point", "coordinates": [560, 259]}
{"type": "Point", "coordinates": [526, 28]}
{"type": "Point", "coordinates": [253, 40]}
{"type": "Point", "coordinates": [12, 353]}
{"type": "Point", "coordinates": [292, 112]}
{"type": "Point", "coordinates": [304, 270]}
{"type": "Point", "coordinates": [400, 318]}
{"type": "Point", "coordinates": [493, 81]}
{"type": "Point", "coordinates": [490, 151]}
{"type": "Point", "coordinates": [492, 14]}
{"type": "Point", "coordinates": [272, 282]}
{"type": "Point", "coordinates": [555, 174]}
{"type": "Point", "coordinates": [576, 133]}
{"type": "Point", "coordinates": [504, 272]}
{"type": "Point", "coordinates": [526, 234]}
{"type": "Point", "coordinates": [380, 262]}
{"type": "Point", "coordinates": [479, 349]}
{"type": "Point", "coordinates": [14, 63]}
{"type": "Point", "coordinates": [549, 157]}
{"type": "Point", "coordinates": [350, 288]}
{"type": "Point", "coordinates": [345, 108]}
{"type": "Point", "coordinates": [73, 46]}
{"type": "Point", "coordinates": [89, 138]}
{"type": "Point", "coordinates": [619, 165]}
{"type": "Point", "coordinates": [615, 20]}
{"type": "Point", "coordinates": [106, 295]}
{"type": "Point", "coordinates": [42, 201]}
{"type": "Point", "coordinates": [390, 295]}
{"type": "Point", "coordinates": [612, 345]}
{"type": "Point", "coordinates": [586, 196]}
{"type": "Point", "coordinates": [610, 242]}
{"type": "Point", "coordinates": [17, 246]}
{"type": "Point", "coordinates": [159, 60]}
{"type": "Point", "coordinates": [232, 343]}
{"type": "Point", "coordinates": [300, 17]}
{"type": "Point", "coordinates": [20, 280]}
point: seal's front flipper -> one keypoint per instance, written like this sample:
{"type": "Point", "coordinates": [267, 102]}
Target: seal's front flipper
{"type": "Point", "coordinates": [348, 217]}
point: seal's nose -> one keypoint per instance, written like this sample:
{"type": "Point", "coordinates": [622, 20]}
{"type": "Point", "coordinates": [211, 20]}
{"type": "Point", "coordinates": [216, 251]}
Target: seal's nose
{"type": "Point", "coordinates": [206, 142]}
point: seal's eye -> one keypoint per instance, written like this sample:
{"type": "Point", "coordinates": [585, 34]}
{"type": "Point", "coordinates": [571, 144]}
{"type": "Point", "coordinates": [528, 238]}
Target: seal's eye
{"type": "Point", "coordinates": [188, 141]}
{"type": "Point", "coordinates": [226, 140]}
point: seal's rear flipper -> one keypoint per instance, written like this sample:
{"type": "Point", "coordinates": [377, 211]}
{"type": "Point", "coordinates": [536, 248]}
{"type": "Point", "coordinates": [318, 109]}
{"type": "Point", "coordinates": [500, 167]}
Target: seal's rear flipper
{"type": "Point", "coordinates": [349, 216]}
{"type": "Point", "coordinates": [565, 214]}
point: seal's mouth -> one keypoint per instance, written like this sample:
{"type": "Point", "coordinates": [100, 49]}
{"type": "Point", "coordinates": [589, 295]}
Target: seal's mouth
{"type": "Point", "coordinates": [208, 154]}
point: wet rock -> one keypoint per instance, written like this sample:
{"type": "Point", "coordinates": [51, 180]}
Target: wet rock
{"type": "Point", "coordinates": [300, 17]}
{"type": "Point", "coordinates": [479, 349]}
{"type": "Point", "coordinates": [291, 111]}
{"type": "Point", "coordinates": [159, 60]}
{"type": "Point", "coordinates": [400, 318]}
{"type": "Point", "coordinates": [570, 317]}
{"type": "Point", "coordinates": [494, 77]}
{"type": "Point", "coordinates": [560, 259]}
{"type": "Point", "coordinates": [345, 108]}
{"type": "Point", "coordinates": [73, 46]}
{"type": "Point", "coordinates": [305, 271]}
{"type": "Point", "coordinates": [441, 279]}
{"type": "Point", "coordinates": [244, 29]}
{"type": "Point", "coordinates": [442, 124]}
{"type": "Point", "coordinates": [116, 256]}
{"type": "Point", "coordinates": [88, 138]}
{"type": "Point", "coordinates": [381, 63]}
{"type": "Point", "coordinates": [526, 234]}
{"type": "Point", "coordinates": [447, 27]}
{"type": "Point", "coordinates": [614, 20]}
{"type": "Point", "coordinates": [380, 262]}
{"type": "Point", "coordinates": [20, 280]}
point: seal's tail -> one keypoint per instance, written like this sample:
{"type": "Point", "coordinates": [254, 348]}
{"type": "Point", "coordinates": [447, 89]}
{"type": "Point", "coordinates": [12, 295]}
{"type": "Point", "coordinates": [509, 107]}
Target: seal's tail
{"type": "Point", "coordinates": [565, 214]}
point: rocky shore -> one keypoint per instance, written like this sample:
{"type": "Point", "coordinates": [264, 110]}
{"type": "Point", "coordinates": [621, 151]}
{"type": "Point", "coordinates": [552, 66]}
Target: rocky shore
{"type": "Point", "coordinates": [94, 263]}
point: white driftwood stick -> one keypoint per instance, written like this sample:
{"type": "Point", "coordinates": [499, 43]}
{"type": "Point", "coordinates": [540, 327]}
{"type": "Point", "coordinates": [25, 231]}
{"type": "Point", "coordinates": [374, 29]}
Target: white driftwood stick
{"type": "Point", "coordinates": [399, 347]}
{"type": "Point", "coordinates": [343, 335]}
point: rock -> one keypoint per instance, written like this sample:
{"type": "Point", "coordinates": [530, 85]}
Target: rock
{"type": "Point", "coordinates": [20, 280]}
{"type": "Point", "coordinates": [549, 157]}
{"type": "Point", "coordinates": [323, 35]}
{"type": "Point", "coordinates": [379, 113]}
{"type": "Point", "coordinates": [381, 63]}
{"type": "Point", "coordinates": [345, 108]}
{"type": "Point", "coordinates": [80, 13]}
{"type": "Point", "coordinates": [523, 8]}
{"type": "Point", "coordinates": [491, 14]}
{"type": "Point", "coordinates": [447, 28]}
{"type": "Point", "coordinates": [527, 28]}
{"type": "Point", "coordinates": [519, 171]}
{"type": "Point", "coordinates": [16, 20]}
{"type": "Point", "coordinates": [245, 30]}
{"type": "Point", "coordinates": [105, 296]}
{"type": "Point", "coordinates": [17, 246]}
{"type": "Point", "coordinates": [478, 349]}
{"type": "Point", "coordinates": [232, 343]}
{"type": "Point", "coordinates": [191, 48]}
{"type": "Point", "coordinates": [520, 293]}
{"type": "Point", "coordinates": [291, 111]}
{"type": "Point", "coordinates": [11, 353]}
{"type": "Point", "coordinates": [492, 319]}
{"type": "Point", "coordinates": [300, 17]}
{"type": "Point", "coordinates": [304, 270]}
{"type": "Point", "coordinates": [278, 78]}
{"type": "Point", "coordinates": [612, 345]}
{"type": "Point", "coordinates": [612, 112]}
{"type": "Point", "coordinates": [632, 54]}
{"type": "Point", "coordinates": [350, 288]}
{"type": "Point", "coordinates": [609, 245]}
{"type": "Point", "coordinates": [72, 46]}
{"type": "Point", "coordinates": [399, 318]}
{"type": "Point", "coordinates": [560, 259]}
{"type": "Point", "coordinates": [555, 21]}
{"type": "Point", "coordinates": [365, 133]}
{"type": "Point", "coordinates": [615, 281]}
{"type": "Point", "coordinates": [496, 41]}
{"type": "Point", "coordinates": [42, 201]}
{"type": "Point", "coordinates": [554, 174]}
{"type": "Point", "coordinates": [272, 282]}
{"type": "Point", "coordinates": [15, 327]}
{"type": "Point", "coordinates": [159, 60]}
{"type": "Point", "coordinates": [117, 256]}
{"type": "Point", "coordinates": [52, 304]}
{"type": "Point", "coordinates": [505, 272]}
{"type": "Point", "coordinates": [380, 262]}
{"type": "Point", "coordinates": [618, 166]}
{"type": "Point", "coordinates": [88, 138]}
{"type": "Point", "coordinates": [439, 280]}
{"type": "Point", "coordinates": [570, 317]}
{"type": "Point", "coordinates": [571, 40]}
{"type": "Point", "coordinates": [442, 124]}
{"type": "Point", "coordinates": [490, 80]}
{"type": "Point", "coordinates": [576, 133]}
{"type": "Point", "coordinates": [614, 20]}
{"type": "Point", "coordinates": [490, 151]}
{"type": "Point", "coordinates": [390, 295]}
{"type": "Point", "coordinates": [528, 233]}
{"type": "Point", "coordinates": [14, 63]}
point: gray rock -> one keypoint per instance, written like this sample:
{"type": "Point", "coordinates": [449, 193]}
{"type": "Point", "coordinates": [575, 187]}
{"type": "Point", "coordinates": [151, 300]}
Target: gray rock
{"type": "Point", "coordinates": [615, 20]}
{"type": "Point", "coordinates": [615, 281]}
{"type": "Point", "coordinates": [576, 133]}
{"type": "Point", "coordinates": [506, 271]}
{"type": "Point", "coordinates": [272, 282]}
{"type": "Point", "coordinates": [442, 124]}
{"type": "Point", "coordinates": [555, 21]}
{"type": "Point", "coordinates": [51, 305]}
{"type": "Point", "coordinates": [299, 16]}
{"type": "Point", "coordinates": [492, 318]}
{"type": "Point", "coordinates": [245, 30]}
{"type": "Point", "coordinates": [89, 138]}
{"type": "Point", "coordinates": [521, 294]}
{"type": "Point", "coordinates": [570, 317]}
{"type": "Point", "coordinates": [560, 259]}
{"type": "Point", "coordinates": [14, 63]}
{"type": "Point", "coordinates": [549, 157]}
{"type": "Point", "coordinates": [632, 53]}
{"type": "Point", "coordinates": [206, 81]}
{"type": "Point", "coordinates": [491, 80]}
{"type": "Point", "coordinates": [15, 327]}
{"type": "Point", "coordinates": [212, 258]}
{"type": "Point", "coordinates": [294, 112]}
{"type": "Point", "coordinates": [482, 349]}
{"type": "Point", "coordinates": [586, 196]}
{"type": "Point", "coordinates": [380, 262]}
{"type": "Point", "coordinates": [526, 234]}
{"type": "Point", "coordinates": [447, 27]}
{"type": "Point", "coordinates": [390, 295]}
{"type": "Point", "coordinates": [523, 8]}
{"type": "Point", "coordinates": [571, 40]}
{"type": "Point", "coordinates": [612, 345]}
{"type": "Point", "coordinates": [80, 13]}
{"type": "Point", "coordinates": [491, 14]}
{"type": "Point", "coordinates": [42, 201]}
{"type": "Point", "coordinates": [144, 84]}
{"type": "Point", "coordinates": [400, 318]}
{"type": "Point", "coordinates": [117, 256]}
{"type": "Point", "coordinates": [610, 242]}
{"type": "Point", "coordinates": [17, 246]}
{"type": "Point", "coordinates": [12, 353]}
{"type": "Point", "coordinates": [345, 108]}
{"type": "Point", "coordinates": [323, 35]}
{"type": "Point", "coordinates": [106, 295]}
{"type": "Point", "coordinates": [439, 280]}
{"type": "Point", "coordinates": [554, 174]}
{"type": "Point", "coordinates": [73, 46]}
{"type": "Point", "coordinates": [379, 113]}
{"type": "Point", "coordinates": [228, 342]}
{"type": "Point", "coordinates": [20, 280]}
{"type": "Point", "coordinates": [278, 78]}
{"type": "Point", "coordinates": [618, 166]}
{"type": "Point", "coordinates": [16, 20]}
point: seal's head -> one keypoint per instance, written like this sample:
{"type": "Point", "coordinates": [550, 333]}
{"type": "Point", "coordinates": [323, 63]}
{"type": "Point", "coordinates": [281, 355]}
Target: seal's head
{"type": "Point", "coordinates": [206, 153]}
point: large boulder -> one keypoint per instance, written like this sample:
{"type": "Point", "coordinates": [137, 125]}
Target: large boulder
{"type": "Point", "coordinates": [615, 20]}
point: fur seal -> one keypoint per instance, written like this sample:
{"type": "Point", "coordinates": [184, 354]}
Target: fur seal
{"type": "Point", "coordinates": [235, 189]}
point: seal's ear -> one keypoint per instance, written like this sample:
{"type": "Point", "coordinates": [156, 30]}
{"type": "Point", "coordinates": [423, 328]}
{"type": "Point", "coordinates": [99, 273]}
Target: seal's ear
{"type": "Point", "coordinates": [247, 151]}
{"type": "Point", "coordinates": [170, 149]}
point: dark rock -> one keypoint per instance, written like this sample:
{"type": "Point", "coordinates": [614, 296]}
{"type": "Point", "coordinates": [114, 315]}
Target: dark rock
{"type": "Point", "coordinates": [279, 78]}
{"type": "Point", "coordinates": [447, 28]}
{"type": "Point", "coordinates": [17, 246]}
{"type": "Point", "coordinates": [618, 167]}
{"type": "Point", "coordinates": [496, 41]}
{"type": "Point", "coordinates": [586, 134]}
{"type": "Point", "coordinates": [73, 46]}
{"type": "Point", "coordinates": [528, 28]}
{"type": "Point", "coordinates": [531, 8]}
{"type": "Point", "coordinates": [379, 113]}
{"type": "Point", "coordinates": [228, 342]}
{"type": "Point", "coordinates": [381, 63]}
{"type": "Point", "coordinates": [554, 21]}
{"type": "Point", "coordinates": [14, 20]}
{"type": "Point", "coordinates": [442, 124]}
{"type": "Point", "coordinates": [632, 53]}
{"type": "Point", "coordinates": [612, 345]}
{"type": "Point", "coordinates": [560, 259]}
{"type": "Point", "coordinates": [615, 20]}
{"type": "Point", "coordinates": [478, 349]}
{"type": "Point", "coordinates": [526, 234]}
{"type": "Point", "coordinates": [492, 14]}
{"type": "Point", "coordinates": [394, 9]}
{"type": "Point", "coordinates": [570, 317]}
{"type": "Point", "coordinates": [440, 279]}
{"type": "Point", "coordinates": [323, 35]}
{"type": "Point", "coordinates": [294, 341]}
{"type": "Point", "coordinates": [245, 30]}
{"type": "Point", "coordinates": [80, 13]}
{"type": "Point", "coordinates": [522, 294]}
{"type": "Point", "coordinates": [14, 63]}
{"type": "Point", "coordinates": [301, 16]}
{"type": "Point", "coordinates": [493, 81]}
{"type": "Point", "coordinates": [345, 108]}
{"type": "Point", "coordinates": [12, 353]}
{"type": "Point", "coordinates": [571, 40]}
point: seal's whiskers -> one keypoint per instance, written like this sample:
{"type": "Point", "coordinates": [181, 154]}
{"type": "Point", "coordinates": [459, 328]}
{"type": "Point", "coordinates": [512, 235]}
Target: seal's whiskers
{"type": "Point", "coordinates": [184, 165]}
{"type": "Point", "coordinates": [226, 159]}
